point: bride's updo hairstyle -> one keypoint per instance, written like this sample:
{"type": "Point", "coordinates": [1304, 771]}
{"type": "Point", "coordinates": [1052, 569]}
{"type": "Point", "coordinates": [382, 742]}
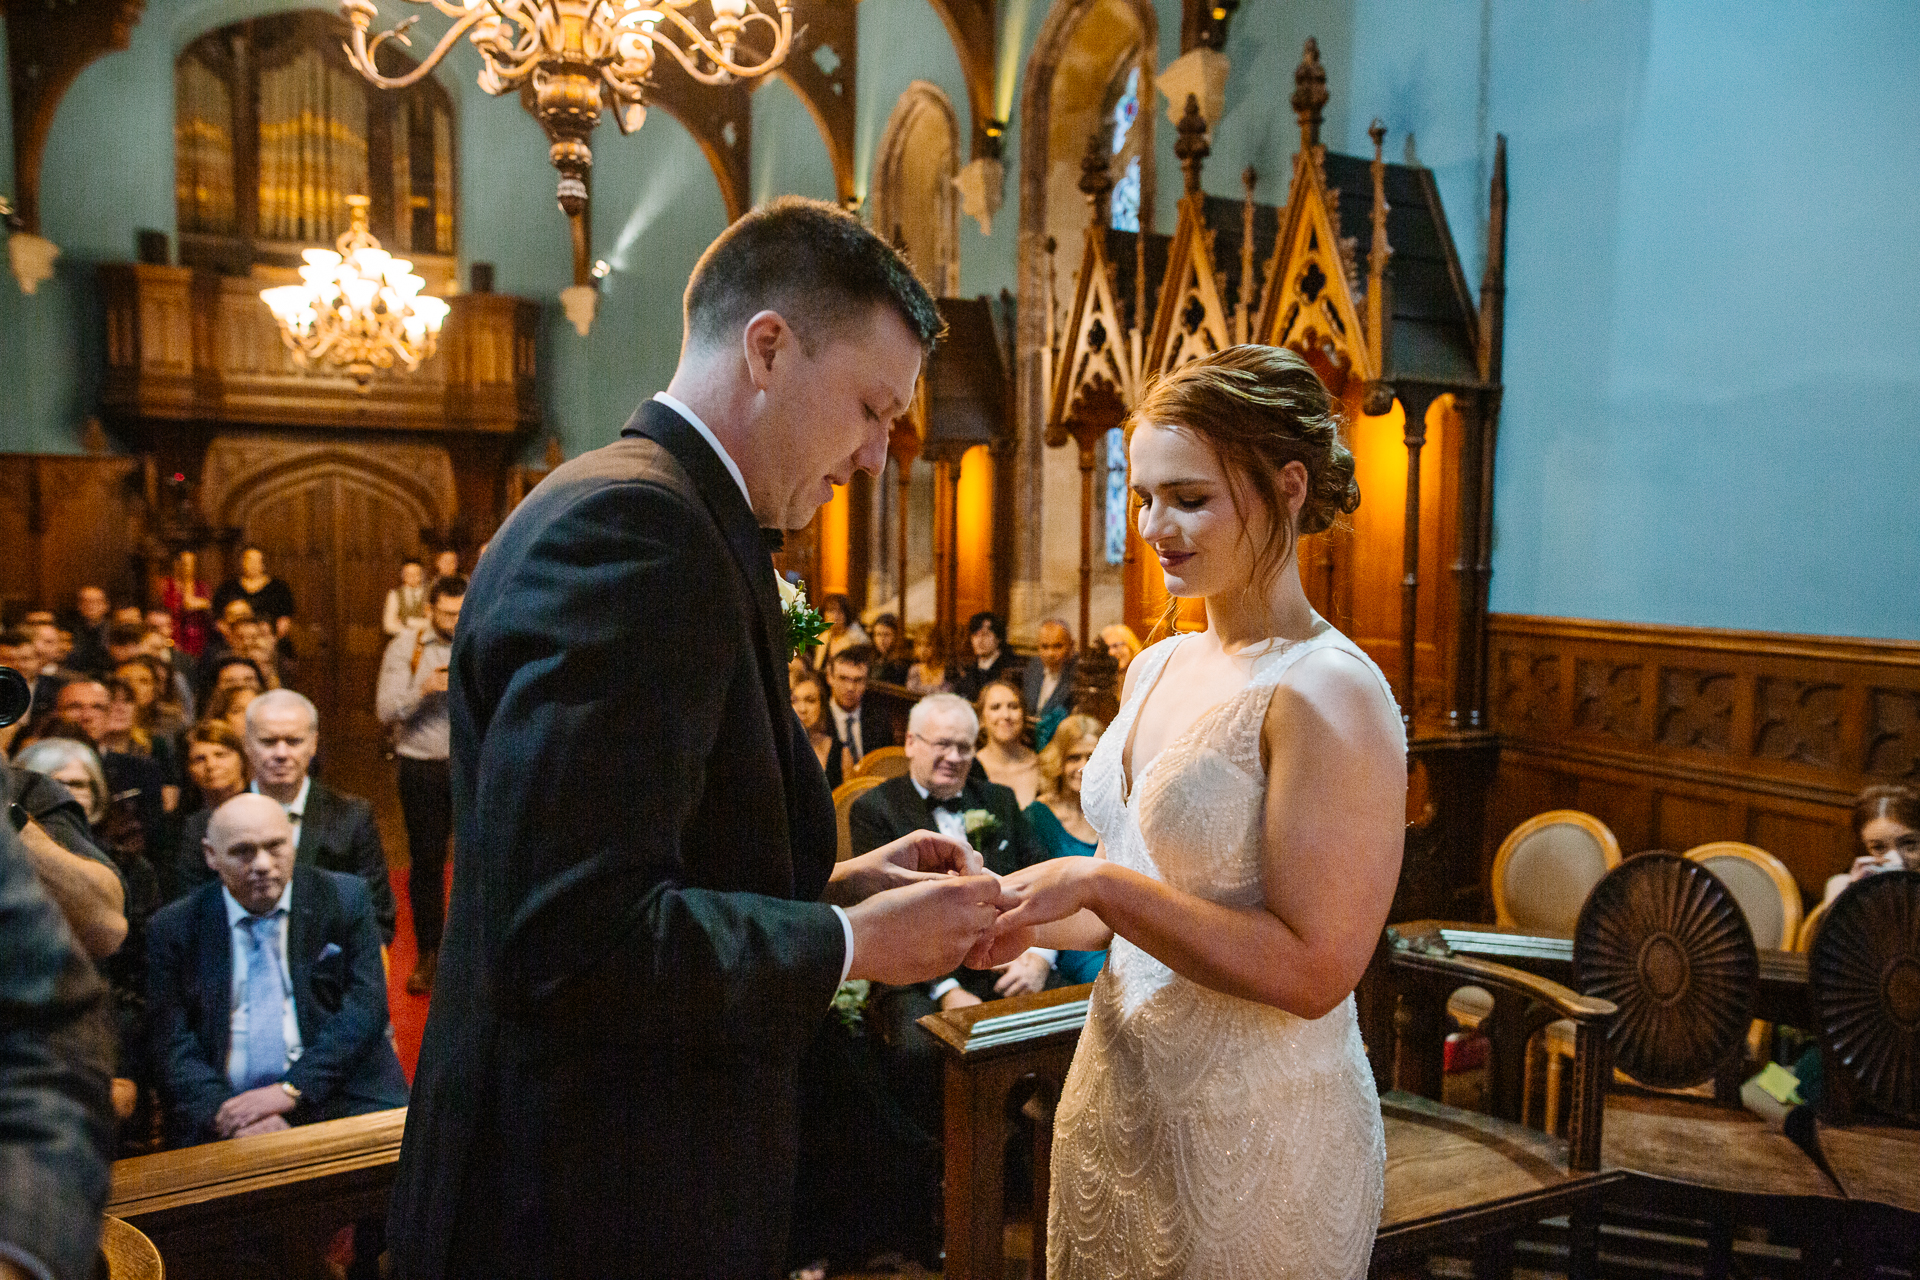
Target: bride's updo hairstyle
{"type": "Point", "coordinates": [1260, 408]}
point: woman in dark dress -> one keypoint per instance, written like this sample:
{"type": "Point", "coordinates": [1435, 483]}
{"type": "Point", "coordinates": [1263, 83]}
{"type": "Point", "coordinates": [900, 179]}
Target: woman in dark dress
{"type": "Point", "coordinates": [1056, 818]}
{"type": "Point", "coordinates": [809, 695]}
{"type": "Point", "coordinates": [270, 598]}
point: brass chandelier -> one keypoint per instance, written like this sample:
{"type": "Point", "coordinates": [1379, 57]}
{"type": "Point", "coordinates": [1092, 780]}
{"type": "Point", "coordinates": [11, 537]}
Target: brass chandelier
{"type": "Point", "coordinates": [359, 308]}
{"type": "Point", "coordinates": [577, 55]}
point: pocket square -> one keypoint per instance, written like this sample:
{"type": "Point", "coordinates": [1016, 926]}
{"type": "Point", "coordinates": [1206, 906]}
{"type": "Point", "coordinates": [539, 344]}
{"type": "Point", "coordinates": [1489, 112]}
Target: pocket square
{"type": "Point", "coordinates": [327, 952]}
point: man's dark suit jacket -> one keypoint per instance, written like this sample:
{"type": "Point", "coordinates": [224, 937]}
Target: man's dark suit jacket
{"type": "Point", "coordinates": [56, 1053]}
{"type": "Point", "coordinates": [347, 1065]}
{"type": "Point", "coordinates": [1030, 682]}
{"type": "Point", "coordinates": [969, 679]}
{"type": "Point", "coordinates": [635, 959]}
{"type": "Point", "coordinates": [337, 833]}
{"type": "Point", "coordinates": [876, 726]}
{"type": "Point", "coordinates": [895, 808]}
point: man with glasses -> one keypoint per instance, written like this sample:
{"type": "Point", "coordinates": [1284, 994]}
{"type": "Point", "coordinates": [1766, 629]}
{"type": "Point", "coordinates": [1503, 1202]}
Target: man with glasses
{"type": "Point", "coordinates": [943, 791]}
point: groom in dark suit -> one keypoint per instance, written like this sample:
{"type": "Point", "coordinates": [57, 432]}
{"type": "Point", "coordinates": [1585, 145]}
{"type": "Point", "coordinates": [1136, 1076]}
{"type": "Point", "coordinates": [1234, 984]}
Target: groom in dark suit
{"type": "Point", "coordinates": [647, 922]}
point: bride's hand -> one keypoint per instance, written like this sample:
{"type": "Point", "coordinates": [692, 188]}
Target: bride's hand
{"type": "Point", "coordinates": [1045, 892]}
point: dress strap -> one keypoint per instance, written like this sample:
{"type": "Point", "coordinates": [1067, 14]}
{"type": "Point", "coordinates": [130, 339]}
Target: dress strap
{"type": "Point", "coordinates": [1273, 667]}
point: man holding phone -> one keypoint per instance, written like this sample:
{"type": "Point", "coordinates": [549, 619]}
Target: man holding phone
{"type": "Point", "coordinates": [412, 703]}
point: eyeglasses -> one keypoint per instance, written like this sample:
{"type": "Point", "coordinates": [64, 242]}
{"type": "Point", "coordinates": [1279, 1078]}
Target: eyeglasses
{"type": "Point", "coordinates": [963, 749]}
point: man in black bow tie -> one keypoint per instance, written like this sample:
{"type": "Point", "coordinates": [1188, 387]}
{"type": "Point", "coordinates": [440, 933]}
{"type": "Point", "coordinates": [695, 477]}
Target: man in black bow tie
{"type": "Point", "coordinates": [647, 923]}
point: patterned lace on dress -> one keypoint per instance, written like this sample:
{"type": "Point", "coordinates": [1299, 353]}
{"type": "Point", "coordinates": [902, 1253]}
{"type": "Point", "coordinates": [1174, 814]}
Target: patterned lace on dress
{"type": "Point", "coordinates": [1199, 1134]}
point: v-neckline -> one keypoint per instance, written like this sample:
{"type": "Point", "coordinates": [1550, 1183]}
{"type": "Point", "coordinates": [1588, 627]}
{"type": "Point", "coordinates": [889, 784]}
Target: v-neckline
{"type": "Point", "coordinates": [1129, 778]}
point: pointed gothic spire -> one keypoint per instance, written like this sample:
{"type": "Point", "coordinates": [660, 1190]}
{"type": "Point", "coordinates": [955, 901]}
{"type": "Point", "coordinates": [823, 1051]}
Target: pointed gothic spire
{"type": "Point", "coordinates": [1191, 147]}
{"type": "Point", "coordinates": [1096, 183]}
{"type": "Point", "coordinates": [1310, 94]}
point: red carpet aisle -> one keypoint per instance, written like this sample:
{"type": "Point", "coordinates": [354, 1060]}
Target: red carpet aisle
{"type": "Point", "coordinates": [409, 1012]}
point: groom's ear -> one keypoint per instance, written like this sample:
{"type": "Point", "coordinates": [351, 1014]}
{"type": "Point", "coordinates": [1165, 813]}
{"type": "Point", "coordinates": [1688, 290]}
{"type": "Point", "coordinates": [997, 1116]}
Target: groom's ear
{"type": "Point", "coordinates": [763, 340]}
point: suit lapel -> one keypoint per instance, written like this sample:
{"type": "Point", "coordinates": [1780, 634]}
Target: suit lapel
{"type": "Point", "coordinates": [313, 822]}
{"type": "Point", "coordinates": [304, 928]}
{"type": "Point", "coordinates": [216, 968]}
{"type": "Point", "coordinates": [656, 422]}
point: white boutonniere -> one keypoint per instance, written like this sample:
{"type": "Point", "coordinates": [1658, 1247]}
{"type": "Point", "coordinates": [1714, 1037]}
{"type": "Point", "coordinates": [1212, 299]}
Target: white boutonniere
{"type": "Point", "coordinates": [979, 823]}
{"type": "Point", "coordinates": [805, 624]}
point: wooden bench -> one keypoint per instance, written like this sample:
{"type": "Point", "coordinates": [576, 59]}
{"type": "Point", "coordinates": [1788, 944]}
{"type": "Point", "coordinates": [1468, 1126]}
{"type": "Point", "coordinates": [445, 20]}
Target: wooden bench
{"type": "Point", "coordinates": [1451, 1174]}
{"type": "Point", "coordinates": [264, 1206]}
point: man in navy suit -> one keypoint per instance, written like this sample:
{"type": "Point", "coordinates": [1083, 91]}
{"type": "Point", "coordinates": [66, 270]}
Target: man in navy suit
{"type": "Point", "coordinates": [268, 1001]}
{"type": "Point", "coordinates": [1048, 683]}
{"type": "Point", "coordinates": [858, 725]}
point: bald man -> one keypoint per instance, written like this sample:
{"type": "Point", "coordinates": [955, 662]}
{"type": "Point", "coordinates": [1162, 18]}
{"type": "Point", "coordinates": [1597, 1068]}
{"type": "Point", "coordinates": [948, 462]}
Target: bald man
{"type": "Point", "coordinates": [268, 1002]}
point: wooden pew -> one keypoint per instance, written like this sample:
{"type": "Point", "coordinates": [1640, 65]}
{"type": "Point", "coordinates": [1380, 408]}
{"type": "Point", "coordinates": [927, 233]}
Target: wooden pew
{"type": "Point", "coordinates": [1452, 1175]}
{"type": "Point", "coordinates": [264, 1206]}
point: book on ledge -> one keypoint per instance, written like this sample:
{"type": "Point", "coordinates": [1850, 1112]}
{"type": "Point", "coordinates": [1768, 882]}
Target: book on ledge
{"type": "Point", "coordinates": [1027, 1024]}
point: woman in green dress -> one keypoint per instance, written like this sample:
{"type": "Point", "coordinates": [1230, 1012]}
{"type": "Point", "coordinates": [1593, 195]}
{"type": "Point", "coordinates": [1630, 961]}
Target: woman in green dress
{"type": "Point", "coordinates": [1056, 818]}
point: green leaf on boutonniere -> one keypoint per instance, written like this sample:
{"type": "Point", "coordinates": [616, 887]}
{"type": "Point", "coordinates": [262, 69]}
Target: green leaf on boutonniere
{"type": "Point", "coordinates": [805, 624]}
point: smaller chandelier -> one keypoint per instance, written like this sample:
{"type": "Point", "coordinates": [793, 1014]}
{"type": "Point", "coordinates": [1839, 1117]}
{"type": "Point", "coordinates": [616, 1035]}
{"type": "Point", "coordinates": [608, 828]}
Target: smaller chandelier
{"type": "Point", "coordinates": [360, 308]}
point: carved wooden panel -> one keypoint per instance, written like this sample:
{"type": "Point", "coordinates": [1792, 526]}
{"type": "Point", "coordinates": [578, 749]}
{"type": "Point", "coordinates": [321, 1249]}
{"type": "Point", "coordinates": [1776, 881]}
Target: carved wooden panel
{"type": "Point", "coordinates": [67, 522]}
{"type": "Point", "coordinates": [1674, 736]}
{"type": "Point", "coordinates": [1798, 720]}
{"type": "Point", "coordinates": [1696, 708]}
{"type": "Point", "coordinates": [192, 345]}
{"type": "Point", "coordinates": [1606, 698]}
{"type": "Point", "coordinates": [1893, 734]}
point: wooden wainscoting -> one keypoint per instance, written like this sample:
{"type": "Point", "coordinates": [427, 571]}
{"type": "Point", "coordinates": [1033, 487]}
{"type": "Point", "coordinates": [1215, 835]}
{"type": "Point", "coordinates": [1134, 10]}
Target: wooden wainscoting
{"type": "Point", "coordinates": [1674, 736]}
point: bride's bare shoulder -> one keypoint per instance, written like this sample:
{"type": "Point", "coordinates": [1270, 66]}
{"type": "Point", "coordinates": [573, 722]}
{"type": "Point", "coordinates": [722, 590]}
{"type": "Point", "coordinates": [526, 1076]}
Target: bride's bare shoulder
{"type": "Point", "coordinates": [1334, 688]}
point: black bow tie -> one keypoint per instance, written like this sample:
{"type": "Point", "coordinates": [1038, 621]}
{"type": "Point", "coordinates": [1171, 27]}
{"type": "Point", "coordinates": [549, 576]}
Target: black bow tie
{"type": "Point", "coordinates": [953, 805]}
{"type": "Point", "coordinates": [774, 540]}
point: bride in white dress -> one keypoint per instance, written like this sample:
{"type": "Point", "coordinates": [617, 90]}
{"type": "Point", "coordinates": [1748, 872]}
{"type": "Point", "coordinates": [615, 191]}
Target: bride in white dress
{"type": "Point", "coordinates": [1220, 1119]}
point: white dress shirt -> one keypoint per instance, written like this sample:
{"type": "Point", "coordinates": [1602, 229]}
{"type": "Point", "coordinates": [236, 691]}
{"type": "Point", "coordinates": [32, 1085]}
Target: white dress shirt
{"type": "Point", "coordinates": [296, 808]}
{"type": "Point", "coordinates": [733, 469]}
{"type": "Point", "coordinates": [1049, 681]}
{"type": "Point", "coordinates": [955, 825]}
{"type": "Point", "coordinates": [240, 943]}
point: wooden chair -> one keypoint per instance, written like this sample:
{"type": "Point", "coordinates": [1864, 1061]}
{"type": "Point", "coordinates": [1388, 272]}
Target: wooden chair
{"type": "Point", "coordinates": [843, 797]}
{"type": "Point", "coordinates": [1541, 875]}
{"type": "Point", "coordinates": [128, 1254]}
{"type": "Point", "coordinates": [1665, 940]}
{"type": "Point", "coordinates": [882, 763]}
{"type": "Point", "coordinates": [1763, 887]}
{"type": "Point", "coordinates": [1864, 968]}
{"type": "Point", "coordinates": [1810, 927]}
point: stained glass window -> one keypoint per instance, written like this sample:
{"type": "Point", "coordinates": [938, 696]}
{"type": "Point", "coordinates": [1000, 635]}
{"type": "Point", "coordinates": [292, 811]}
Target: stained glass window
{"type": "Point", "coordinates": [1116, 496]}
{"type": "Point", "coordinates": [1126, 110]}
{"type": "Point", "coordinates": [1126, 199]}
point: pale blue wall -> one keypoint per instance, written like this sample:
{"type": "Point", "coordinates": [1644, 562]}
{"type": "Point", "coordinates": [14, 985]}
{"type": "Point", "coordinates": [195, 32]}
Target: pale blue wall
{"type": "Point", "coordinates": [1714, 291]}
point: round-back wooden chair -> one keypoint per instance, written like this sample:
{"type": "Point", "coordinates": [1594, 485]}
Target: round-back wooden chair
{"type": "Point", "coordinates": [1864, 973]}
{"type": "Point", "coordinates": [1763, 887]}
{"type": "Point", "coordinates": [1545, 868]}
{"type": "Point", "coordinates": [1664, 939]}
{"type": "Point", "coordinates": [126, 1252]}
{"type": "Point", "coordinates": [882, 763]}
{"type": "Point", "coordinates": [1810, 927]}
{"type": "Point", "coordinates": [843, 797]}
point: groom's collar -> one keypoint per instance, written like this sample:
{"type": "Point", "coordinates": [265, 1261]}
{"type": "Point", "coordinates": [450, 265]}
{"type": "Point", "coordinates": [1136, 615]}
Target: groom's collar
{"type": "Point", "coordinates": [706, 433]}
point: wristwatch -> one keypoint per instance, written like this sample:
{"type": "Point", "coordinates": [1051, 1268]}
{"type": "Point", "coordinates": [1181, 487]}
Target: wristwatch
{"type": "Point", "coordinates": [290, 1091]}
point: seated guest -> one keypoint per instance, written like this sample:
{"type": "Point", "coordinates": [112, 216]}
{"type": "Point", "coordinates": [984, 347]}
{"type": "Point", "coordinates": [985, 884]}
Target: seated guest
{"type": "Point", "coordinates": [43, 667]}
{"type": "Point", "coordinates": [230, 708]}
{"type": "Point", "coordinates": [1061, 826]}
{"type": "Point", "coordinates": [332, 831]}
{"type": "Point", "coordinates": [217, 770]}
{"type": "Point", "coordinates": [225, 638]}
{"type": "Point", "coordinates": [269, 1004]}
{"type": "Point", "coordinates": [127, 734]}
{"type": "Point", "coordinates": [1886, 835]}
{"type": "Point", "coordinates": [103, 882]}
{"type": "Point", "coordinates": [270, 599]}
{"type": "Point", "coordinates": [255, 640]}
{"type": "Point", "coordinates": [809, 695]}
{"type": "Point", "coordinates": [1004, 754]}
{"type": "Point", "coordinates": [233, 671]}
{"type": "Point", "coordinates": [890, 661]}
{"type": "Point", "coordinates": [929, 672]}
{"type": "Point", "coordinates": [860, 726]}
{"type": "Point", "coordinates": [185, 598]}
{"type": "Point", "coordinates": [88, 624]}
{"type": "Point", "coordinates": [407, 603]}
{"type": "Point", "coordinates": [1096, 684]}
{"type": "Point", "coordinates": [446, 564]}
{"type": "Point", "coordinates": [133, 779]}
{"type": "Point", "coordinates": [56, 1121]}
{"type": "Point", "coordinates": [843, 629]}
{"type": "Point", "coordinates": [941, 792]}
{"type": "Point", "coordinates": [992, 659]}
{"type": "Point", "coordinates": [156, 711]}
{"type": "Point", "coordinates": [1048, 684]}
{"type": "Point", "coordinates": [125, 641]}
{"type": "Point", "coordinates": [1120, 641]}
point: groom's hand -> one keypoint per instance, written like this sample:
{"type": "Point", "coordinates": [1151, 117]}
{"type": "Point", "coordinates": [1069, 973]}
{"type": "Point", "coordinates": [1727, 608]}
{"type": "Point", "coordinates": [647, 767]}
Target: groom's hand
{"type": "Point", "coordinates": [918, 855]}
{"type": "Point", "coordinates": [922, 930]}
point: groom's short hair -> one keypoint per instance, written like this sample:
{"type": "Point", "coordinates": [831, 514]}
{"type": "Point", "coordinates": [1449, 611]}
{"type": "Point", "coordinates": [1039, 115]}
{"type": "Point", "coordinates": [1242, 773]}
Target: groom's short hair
{"type": "Point", "coordinates": [815, 264]}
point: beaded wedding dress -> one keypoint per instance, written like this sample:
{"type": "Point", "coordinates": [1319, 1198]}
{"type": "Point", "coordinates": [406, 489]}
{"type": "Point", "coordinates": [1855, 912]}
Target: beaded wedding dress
{"type": "Point", "coordinates": [1202, 1135]}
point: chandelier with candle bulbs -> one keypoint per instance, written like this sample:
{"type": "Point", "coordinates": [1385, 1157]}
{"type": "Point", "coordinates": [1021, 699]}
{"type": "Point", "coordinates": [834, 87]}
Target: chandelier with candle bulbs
{"type": "Point", "coordinates": [358, 309]}
{"type": "Point", "coordinates": [579, 54]}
